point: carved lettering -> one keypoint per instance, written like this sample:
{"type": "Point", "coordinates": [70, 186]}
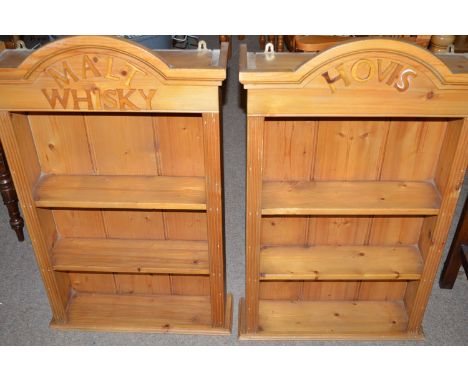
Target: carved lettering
{"type": "Point", "coordinates": [110, 99]}
{"type": "Point", "coordinates": [77, 92]}
{"type": "Point", "coordinates": [89, 65]}
{"type": "Point", "coordinates": [341, 76]}
{"type": "Point", "coordinates": [392, 70]}
{"type": "Point", "coordinates": [404, 80]}
{"type": "Point", "coordinates": [124, 102]}
{"type": "Point", "coordinates": [109, 75]}
{"type": "Point", "coordinates": [357, 69]}
{"type": "Point", "coordinates": [77, 100]}
{"type": "Point", "coordinates": [96, 97]}
{"type": "Point", "coordinates": [62, 79]}
{"type": "Point", "coordinates": [148, 97]}
{"type": "Point", "coordinates": [133, 70]}
{"type": "Point", "coordinates": [55, 95]}
{"type": "Point", "coordinates": [394, 74]}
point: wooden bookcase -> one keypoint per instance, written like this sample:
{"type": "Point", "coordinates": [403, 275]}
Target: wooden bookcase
{"type": "Point", "coordinates": [115, 153]}
{"type": "Point", "coordinates": [355, 160]}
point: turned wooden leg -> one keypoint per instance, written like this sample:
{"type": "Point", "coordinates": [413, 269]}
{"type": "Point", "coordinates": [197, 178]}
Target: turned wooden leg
{"type": "Point", "coordinates": [10, 199]}
{"type": "Point", "coordinates": [271, 39]}
{"type": "Point", "coordinates": [454, 257]}
{"type": "Point", "coordinates": [280, 43]}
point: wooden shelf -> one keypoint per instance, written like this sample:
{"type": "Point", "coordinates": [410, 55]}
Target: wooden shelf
{"type": "Point", "coordinates": [350, 198]}
{"type": "Point", "coordinates": [125, 313]}
{"type": "Point", "coordinates": [129, 192]}
{"type": "Point", "coordinates": [328, 319]}
{"type": "Point", "coordinates": [340, 263]}
{"type": "Point", "coordinates": [131, 256]}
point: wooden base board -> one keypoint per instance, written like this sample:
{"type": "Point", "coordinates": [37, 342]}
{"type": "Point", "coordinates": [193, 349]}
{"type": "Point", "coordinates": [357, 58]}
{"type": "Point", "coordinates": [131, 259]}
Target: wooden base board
{"type": "Point", "coordinates": [265, 335]}
{"type": "Point", "coordinates": [150, 314]}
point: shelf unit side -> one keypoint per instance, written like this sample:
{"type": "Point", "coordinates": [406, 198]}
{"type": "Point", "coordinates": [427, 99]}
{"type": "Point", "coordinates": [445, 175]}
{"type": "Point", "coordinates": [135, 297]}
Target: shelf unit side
{"type": "Point", "coordinates": [19, 146]}
{"type": "Point", "coordinates": [255, 131]}
{"type": "Point", "coordinates": [449, 179]}
{"type": "Point", "coordinates": [214, 210]}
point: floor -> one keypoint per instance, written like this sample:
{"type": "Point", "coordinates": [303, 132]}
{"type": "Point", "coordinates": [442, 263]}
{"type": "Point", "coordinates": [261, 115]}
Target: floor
{"type": "Point", "coordinates": [24, 309]}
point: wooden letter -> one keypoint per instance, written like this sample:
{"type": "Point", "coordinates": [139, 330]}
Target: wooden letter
{"type": "Point", "coordinates": [56, 96]}
{"type": "Point", "coordinates": [110, 100]}
{"type": "Point", "coordinates": [124, 102]}
{"type": "Point", "coordinates": [148, 97]}
{"type": "Point", "coordinates": [77, 100]}
{"type": "Point", "coordinates": [393, 69]}
{"type": "Point", "coordinates": [404, 81]}
{"type": "Point", "coordinates": [89, 65]}
{"type": "Point", "coordinates": [62, 79]}
{"type": "Point", "coordinates": [341, 76]}
{"type": "Point", "coordinates": [109, 74]}
{"type": "Point", "coordinates": [355, 70]}
{"type": "Point", "coordinates": [132, 73]}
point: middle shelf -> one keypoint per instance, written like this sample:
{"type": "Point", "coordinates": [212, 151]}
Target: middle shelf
{"type": "Point", "coordinates": [350, 198]}
{"type": "Point", "coordinates": [122, 192]}
{"type": "Point", "coordinates": [328, 262]}
{"type": "Point", "coordinates": [131, 256]}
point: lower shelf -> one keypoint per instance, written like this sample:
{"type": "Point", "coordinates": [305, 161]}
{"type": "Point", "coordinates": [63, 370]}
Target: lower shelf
{"type": "Point", "coordinates": [295, 320]}
{"type": "Point", "coordinates": [131, 256]}
{"type": "Point", "coordinates": [156, 314]}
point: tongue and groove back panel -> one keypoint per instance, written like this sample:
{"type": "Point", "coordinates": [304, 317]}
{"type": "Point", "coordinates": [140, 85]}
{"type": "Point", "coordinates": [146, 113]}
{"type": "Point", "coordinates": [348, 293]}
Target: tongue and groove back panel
{"type": "Point", "coordinates": [144, 145]}
{"type": "Point", "coordinates": [332, 149]}
{"type": "Point", "coordinates": [115, 152]}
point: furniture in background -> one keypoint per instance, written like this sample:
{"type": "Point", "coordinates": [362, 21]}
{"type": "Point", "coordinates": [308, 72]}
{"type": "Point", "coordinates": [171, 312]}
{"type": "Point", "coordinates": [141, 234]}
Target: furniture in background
{"type": "Point", "coordinates": [313, 43]}
{"type": "Point", "coordinates": [7, 189]}
{"type": "Point", "coordinates": [123, 206]}
{"type": "Point", "coordinates": [277, 41]}
{"type": "Point", "coordinates": [355, 158]}
{"type": "Point", "coordinates": [461, 44]}
{"type": "Point", "coordinates": [317, 43]}
{"type": "Point", "coordinates": [457, 255]}
{"type": "Point", "coordinates": [10, 199]}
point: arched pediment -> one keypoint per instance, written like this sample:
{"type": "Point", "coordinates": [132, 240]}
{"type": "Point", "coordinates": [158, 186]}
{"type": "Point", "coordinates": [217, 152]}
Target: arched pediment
{"type": "Point", "coordinates": [379, 77]}
{"type": "Point", "coordinates": [101, 73]}
{"type": "Point", "coordinates": [394, 56]}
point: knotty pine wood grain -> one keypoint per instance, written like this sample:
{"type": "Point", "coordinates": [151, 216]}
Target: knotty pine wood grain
{"type": "Point", "coordinates": [131, 256]}
{"type": "Point", "coordinates": [340, 263]}
{"type": "Point", "coordinates": [328, 317]}
{"type": "Point", "coordinates": [350, 198]}
{"type": "Point", "coordinates": [255, 126]}
{"type": "Point", "coordinates": [121, 192]}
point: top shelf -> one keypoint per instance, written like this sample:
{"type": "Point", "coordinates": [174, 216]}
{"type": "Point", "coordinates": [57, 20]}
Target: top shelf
{"type": "Point", "coordinates": [350, 198]}
{"type": "Point", "coordinates": [121, 192]}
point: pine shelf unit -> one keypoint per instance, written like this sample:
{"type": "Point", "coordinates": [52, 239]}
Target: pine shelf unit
{"type": "Point", "coordinates": [355, 160]}
{"type": "Point", "coordinates": [115, 152]}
